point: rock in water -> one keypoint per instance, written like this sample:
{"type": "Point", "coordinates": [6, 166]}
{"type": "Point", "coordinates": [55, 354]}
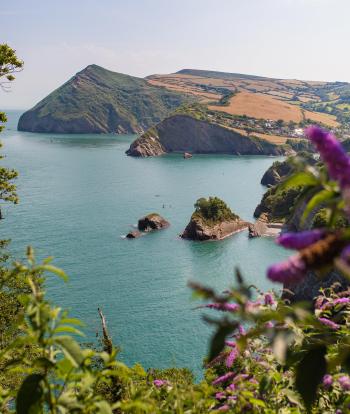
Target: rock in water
{"type": "Point", "coordinates": [133, 235]}
{"type": "Point", "coordinates": [152, 222]}
{"type": "Point", "coordinates": [187, 155]}
{"type": "Point", "coordinates": [212, 220]}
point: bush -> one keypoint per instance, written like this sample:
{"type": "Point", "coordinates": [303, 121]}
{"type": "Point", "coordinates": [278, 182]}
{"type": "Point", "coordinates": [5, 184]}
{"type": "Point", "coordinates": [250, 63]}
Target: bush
{"type": "Point", "coordinates": [213, 209]}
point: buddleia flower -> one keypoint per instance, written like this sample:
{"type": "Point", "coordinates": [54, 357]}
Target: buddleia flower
{"type": "Point", "coordinates": [299, 241]}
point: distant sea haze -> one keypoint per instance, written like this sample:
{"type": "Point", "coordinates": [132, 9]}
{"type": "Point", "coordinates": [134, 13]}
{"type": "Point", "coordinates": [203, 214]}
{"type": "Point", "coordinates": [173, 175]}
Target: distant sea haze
{"type": "Point", "coordinates": [79, 194]}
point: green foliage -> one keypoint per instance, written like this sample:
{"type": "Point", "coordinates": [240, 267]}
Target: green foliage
{"type": "Point", "coordinates": [98, 100]}
{"type": "Point", "coordinates": [213, 209]}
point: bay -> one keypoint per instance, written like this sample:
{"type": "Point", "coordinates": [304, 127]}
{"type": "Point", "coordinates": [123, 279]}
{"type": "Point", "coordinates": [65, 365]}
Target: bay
{"type": "Point", "coordinates": [80, 195]}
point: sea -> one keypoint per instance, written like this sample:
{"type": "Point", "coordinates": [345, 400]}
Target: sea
{"type": "Point", "coordinates": [80, 195]}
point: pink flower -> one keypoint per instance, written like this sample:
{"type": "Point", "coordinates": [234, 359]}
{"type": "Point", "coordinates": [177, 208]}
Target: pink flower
{"type": "Point", "coordinates": [231, 344]}
{"type": "Point", "coordinates": [289, 272]}
{"type": "Point", "coordinates": [269, 325]}
{"type": "Point", "coordinates": [224, 408]}
{"type": "Point", "coordinates": [220, 395]}
{"type": "Point", "coordinates": [241, 330]}
{"type": "Point", "coordinates": [329, 323]}
{"type": "Point", "coordinates": [159, 383]}
{"type": "Point", "coordinates": [231, 358]}
{"type": "Point", "coordinates": [269, 300]}
{"type": "Point", "coordinates": [231, 387]}
{"type": "Point", "coordinates": [344, 382]}
{"type": "Point", "coordinates": [223, 378]}
{"type": "Point", "coordinates": [327, 381]}
{"type": "Point", "coordinates": [341, 301]}
{"type": "Point", "coordinates": [224, 307]}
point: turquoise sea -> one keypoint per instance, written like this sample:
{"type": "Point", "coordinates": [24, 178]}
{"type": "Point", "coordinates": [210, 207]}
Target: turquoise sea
{"type": "Point", "coordinates": [80, 194]}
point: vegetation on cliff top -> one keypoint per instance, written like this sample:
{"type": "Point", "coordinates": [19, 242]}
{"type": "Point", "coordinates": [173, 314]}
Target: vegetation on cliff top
{"type": "Point", "coordinates": [99, 100]}
{"type": "Point", "coordinates": [213, 210]}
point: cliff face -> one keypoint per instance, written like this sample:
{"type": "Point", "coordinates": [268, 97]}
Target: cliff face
{"type": "Point", "coordinates": [183, 133]}
{"type": "Point", "coordinates": [97, 100]}
{"type": "Point", "coordinates": [201, 230]}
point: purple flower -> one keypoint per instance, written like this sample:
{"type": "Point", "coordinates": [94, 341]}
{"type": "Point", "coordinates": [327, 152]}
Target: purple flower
{"type": "Point", "coordinates": [332, 153]}
{"type": "Point", "coordinates": [269, 324]}
{"type": "Point", "coordinates": [231, 344]}
{"type": "Point", "coordinates": [290, 271]}
{"type": "Point", "coordinates": [224, 378]}
{"type": "Point", "coordinates": [220, 395]}
{"type": "Point", "coordinates": [224, 307]}
{"type": "Point", "coordinates": [320, 302]}
{"type": "Point", "coordinates": [231, 358]}
{"type": "Point", "coordinates": [327, 381]}
{"type": "Point", "coordinates": [329, 323]}
{"type": "Point", "coordinates": [341, 301]}
{"type": "Point", "coordinates": [241, 377]}
{"type": "Point", "coordinates": [224, 408]}
{"type": "Point", "coordinates": [298, 241]}
{"type": "Point", "coordinates": [344, 382]}
{"type": "Point", "coordinates": [269, 300]}
{"type": "Point", "coordinates": [241, 330]}
{"type": "Point", "coordinates": [231, 387]}
{"type": "Point", "coordinates": [159, 383]}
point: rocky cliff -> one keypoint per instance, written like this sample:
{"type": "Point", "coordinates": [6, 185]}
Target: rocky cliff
{"type": "Point", "coordinates": [201, 230]}
{"type": "Point", "coordinates": [184, 133]}
{"type": "Point", "coordinates": [97, 100]}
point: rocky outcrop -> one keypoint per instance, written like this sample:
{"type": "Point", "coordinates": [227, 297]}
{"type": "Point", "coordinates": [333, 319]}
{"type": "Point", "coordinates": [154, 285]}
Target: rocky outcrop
{"type": "Point", "coordinates": [276, 173]}
{"type": "Point", "coordinates": [133, 235]}
{"type": "Point", "coordinates": [201, 230]}
{"type": "Point", "coordinates": [187, 155]}
{"type": "Point", "coordinates": [183, 133]}
{"type": "Point", "coordinates": [262, 227]}
{"type": "Point", "coordinates": [152, 222]}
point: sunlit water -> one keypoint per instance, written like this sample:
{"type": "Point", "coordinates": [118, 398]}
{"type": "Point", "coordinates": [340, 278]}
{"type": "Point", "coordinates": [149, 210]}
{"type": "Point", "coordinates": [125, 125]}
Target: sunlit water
{"type": "Point", "coordinates": [79, 194]}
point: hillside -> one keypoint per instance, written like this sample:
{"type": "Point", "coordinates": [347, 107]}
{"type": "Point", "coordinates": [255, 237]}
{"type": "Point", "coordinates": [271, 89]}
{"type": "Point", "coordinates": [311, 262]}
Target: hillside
{"type": "Point", "coordinates": [97, 100]}
{"type": "Point", "coordinates": [277, 108]}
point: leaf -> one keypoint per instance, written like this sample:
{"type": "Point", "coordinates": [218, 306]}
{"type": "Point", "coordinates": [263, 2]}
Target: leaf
{"type": "Point", "coordinates": [217, 343]}
{"type": "Point", "coordinates": [71, 349]}
{"type": "Point", "coordinates": [55, 270]}
{"type": "Point", "coordinates": [317, 199]}
{"type": "Point", "coordinates": [299, 179]}
{"type": "Point", "coordinates": [309, 374]}
{"type": "Point", "coordinates": [29, 394]}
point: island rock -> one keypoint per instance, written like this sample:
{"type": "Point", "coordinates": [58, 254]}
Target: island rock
{"type": "Point", "coordinates": [133, 235]}
{"type": "Point", "coordinates": [152, 222]}
{"type": "Point", "coordinates": [212, 220]}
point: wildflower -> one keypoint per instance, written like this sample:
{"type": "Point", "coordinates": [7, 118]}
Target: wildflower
{"type": "Point", "coordinates": [298, 241]}
{"type": "Point", "coordinates": [241, 330]}
{"type": "Point", "coordinates": [327, 381]}
{"type": "Point", "coordinates": [159, 383]}
{"type": "Point", "coordinates": [332, 153]}
{"type": "Point", "coordinates": [231, 358]}
{"type": "Point", "coordinates": [269, 300]}
{"type": "Point", "coordinates": [320, 302]}
{"type": "Point", "coordinates": [329, 323]}
{"type": "Point", "coordinates": [231, 344]}
{"type": "Point", "coordinates": [224, 408]}
{"type": "Point", "coordinates": [224, 307]}
{"type": "Point", "coordinates": [231, 387]}
{"type": "Point", "coordinates": [290, 271]}
{"type": "Point", "coordinates": [341, 301]}
{"type": "Point", "coordinates": [220, 395]}
{"type": "Point", "coordinates": [269, 325]}
{"type": "Point", "coordinates": [223, 378]}
{"type": "Point", "coordinates": [344, 382]}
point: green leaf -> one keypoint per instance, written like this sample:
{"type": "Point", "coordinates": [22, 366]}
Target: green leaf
{"type": "Point", "coordinates": [55, 270]}
{"type": "Point", "coordinates": [309, 374]}
{"type": "Point", "coordinates": [316, 200]}
{"type": "Point", "coordinates": [71, 349]}
{"type": "Point", "coordinates": [217, 343]}
{"type": "Point", "coordinates": [299, 179]}
{"type": "Point", "coordinates": [29, 394]}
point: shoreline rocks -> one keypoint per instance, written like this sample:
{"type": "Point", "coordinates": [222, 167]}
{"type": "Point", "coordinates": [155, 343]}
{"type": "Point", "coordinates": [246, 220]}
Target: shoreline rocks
{"type": "Point", "coordinates": [133, 234]}
{"type": "Point", "coordinates": [198, 229]}
{"type": "Point", "coordinates": [263, 228]}
{"type": "Point", "coordinates": [151, 222]}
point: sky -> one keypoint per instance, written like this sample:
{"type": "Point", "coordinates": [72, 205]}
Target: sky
{"type": "Point", "coordinates": [298, 39]}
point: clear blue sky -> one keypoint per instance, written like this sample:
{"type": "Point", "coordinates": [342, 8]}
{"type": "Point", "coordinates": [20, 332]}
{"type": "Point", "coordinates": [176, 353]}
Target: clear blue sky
{"type": "Point", "coordinates": [306, 39]}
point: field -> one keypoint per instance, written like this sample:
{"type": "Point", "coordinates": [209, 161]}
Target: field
{"type": "Point", "coordinates": [290, 100]}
